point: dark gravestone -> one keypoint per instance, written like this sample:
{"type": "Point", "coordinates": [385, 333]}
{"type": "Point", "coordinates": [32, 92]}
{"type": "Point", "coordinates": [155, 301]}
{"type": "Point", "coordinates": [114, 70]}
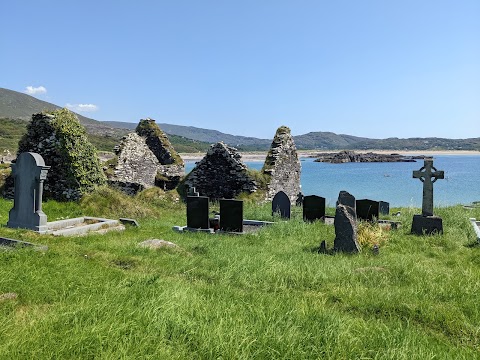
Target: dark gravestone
{"type": "Point", "coordinates": [231, 215]}
{"type": "Point", "coordinates": [281, 205]}
{"type": "Point", "coordinates": [299, 200]}
{"type": "Point", "coordinates": [345, 230]}
{"type": "Point", "coordinates": [29, 172]}
{"type": "Point", "coordinates": [197, 212]}
{"type": "Point", "coordinates": [345, 198]}
{"type": "Point", "coordinates": [313, 208]}
{"type": "Point", "coordinates": [367, 209]}
{"type": "Point", "coordinates": [427, 223]}
{"type": "Point", "coordinates": [384, 207]}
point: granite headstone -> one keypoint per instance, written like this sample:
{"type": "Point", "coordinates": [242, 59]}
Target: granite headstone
{"type": "Point", "coordinates": [29, 173]}
{"type": "Point", "coordinates": [367, 209]}
{"type": "Point", "coordinates": [313, 208]}
{"type": "Point", "coordinates": [197, 212]}
{"type": "Point", "coordinates": [281, 205]}
{"type": "Point", "coordinates": [231, 215]}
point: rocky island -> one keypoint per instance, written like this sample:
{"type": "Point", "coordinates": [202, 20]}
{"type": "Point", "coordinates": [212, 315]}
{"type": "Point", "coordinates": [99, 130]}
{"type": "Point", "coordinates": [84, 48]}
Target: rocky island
{"type": "Point", "coordinates": [346, 156]}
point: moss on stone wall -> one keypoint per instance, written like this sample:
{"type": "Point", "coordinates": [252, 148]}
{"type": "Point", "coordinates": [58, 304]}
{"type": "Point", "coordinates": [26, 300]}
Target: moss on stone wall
{"type": "Point", "coordinates": [62, 141]}
{"type": "Point", "coordinates": [158, 142]}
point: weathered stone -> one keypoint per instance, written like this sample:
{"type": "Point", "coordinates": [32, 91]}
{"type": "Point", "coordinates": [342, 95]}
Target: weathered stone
{"type": "Point", "coordinates": [157, 244]}
{"type": "Point", "coordinates": [426, 225]}
{"type": "Point", "coordinates": [347, 199]}
{"type": "Point", "coordinates": [345, 230]}
{"type": "Point", "coordinates": [221, 174]}
{"type": "Point", "coordinates": [313, 208]}
{"type": "Point", "coordinates": [146, 159]}
{"type": "Point", "coordinates": [29, 173]}
{"type": "Point", "coordinates": [281, 204]}
{"type": "Point", "coordinates": [62, 141]}
{"type": "Point", "coordinates": [282, 166]}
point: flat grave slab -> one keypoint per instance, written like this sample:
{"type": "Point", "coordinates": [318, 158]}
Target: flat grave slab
{"type": "Point", "coordinates": [82, 225]}
{"type": "Point", "coordinates": [13, 243]}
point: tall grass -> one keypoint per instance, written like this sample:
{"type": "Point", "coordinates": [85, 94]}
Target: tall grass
{"type": "Point", "coordinates": [262, 295]}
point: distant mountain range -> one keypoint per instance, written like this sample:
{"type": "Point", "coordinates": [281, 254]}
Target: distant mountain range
{"type": "Point", "coordinates": [19, 106]}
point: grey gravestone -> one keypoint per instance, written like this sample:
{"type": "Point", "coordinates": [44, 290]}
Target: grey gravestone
{"type": "Point", "coordinates": [313, 208]}
{"type": "Point", "coordinates": [367, 209]}
{"type": "Point", "coordinates": [427, 223]}
{"type": "Point", "coordinates": [29, 173]}
{"type": "Point", "coordinates": [345, 230]}
{"type": "Point", "coordinates": [281, 204]}
{"type": "Point", "coordinates": [384, 207]}
{"type": "Point", "coordinates": [231, 215]}
{"type": "Point", "coordinates": [197, 212]}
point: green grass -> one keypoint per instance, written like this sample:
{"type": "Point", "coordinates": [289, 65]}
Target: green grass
{"type": "Point", "coordinates": [258, 296]}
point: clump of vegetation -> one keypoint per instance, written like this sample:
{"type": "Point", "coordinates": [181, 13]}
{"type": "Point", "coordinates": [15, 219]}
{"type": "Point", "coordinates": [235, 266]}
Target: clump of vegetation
{"type": "Point", "coordinates": [62, 141]}
{"type": "Point", "coordinates": [370, 234]}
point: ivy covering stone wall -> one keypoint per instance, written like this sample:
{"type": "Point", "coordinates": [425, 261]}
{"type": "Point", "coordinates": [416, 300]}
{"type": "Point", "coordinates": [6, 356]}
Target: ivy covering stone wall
{"type": "Point", "coordinates": [61, 140]}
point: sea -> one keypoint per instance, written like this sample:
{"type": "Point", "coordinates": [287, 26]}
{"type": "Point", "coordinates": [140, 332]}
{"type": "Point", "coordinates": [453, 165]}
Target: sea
{"type": "Point", "coordinates": [391, 182]}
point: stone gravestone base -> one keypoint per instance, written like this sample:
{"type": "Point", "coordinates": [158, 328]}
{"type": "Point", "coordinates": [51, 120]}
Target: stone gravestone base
{"type": "Point", "coordinates": [427, 225]}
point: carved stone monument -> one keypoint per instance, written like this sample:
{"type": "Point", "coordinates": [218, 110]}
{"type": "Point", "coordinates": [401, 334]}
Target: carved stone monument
{"type": "Point", "coordinates": [231, 215]}
{"type": "Point", "coordinates": [313, 208]}
{"type": "Point", "coordinates": [29, 173]}
{"type": "Point", "coordinates": [427, 223]}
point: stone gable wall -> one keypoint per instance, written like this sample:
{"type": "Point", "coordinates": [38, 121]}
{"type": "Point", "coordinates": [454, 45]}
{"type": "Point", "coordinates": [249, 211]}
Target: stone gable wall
{"type": "Point", "coordinates": [283, 166]}
{"type": "Point", "coordinates": [221, 174]}
{"type": "Point", "coordinates": [62, 141]}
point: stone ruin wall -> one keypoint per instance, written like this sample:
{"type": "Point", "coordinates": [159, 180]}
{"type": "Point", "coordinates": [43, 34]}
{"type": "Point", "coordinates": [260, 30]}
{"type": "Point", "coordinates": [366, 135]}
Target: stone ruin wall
{"type": "Point", "coordinates": [282, 166]}
{"type": "Point", "coordinates": [146, 159]}
{"type": "Point", "coordinates": [221, 174]}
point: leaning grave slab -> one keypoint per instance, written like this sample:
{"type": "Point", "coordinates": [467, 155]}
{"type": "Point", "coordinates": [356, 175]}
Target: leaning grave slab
{"type": "Point", "coordinates": [29, 174]}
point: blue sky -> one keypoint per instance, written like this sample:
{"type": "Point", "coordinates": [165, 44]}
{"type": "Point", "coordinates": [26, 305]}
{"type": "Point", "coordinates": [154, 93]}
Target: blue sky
{"type": "Point", "coordinates": [367, 68]}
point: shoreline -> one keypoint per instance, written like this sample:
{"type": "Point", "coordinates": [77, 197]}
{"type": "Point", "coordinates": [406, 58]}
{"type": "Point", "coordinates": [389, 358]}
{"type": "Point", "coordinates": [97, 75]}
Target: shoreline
{"type": "Point", "coordinates": [261, 155]}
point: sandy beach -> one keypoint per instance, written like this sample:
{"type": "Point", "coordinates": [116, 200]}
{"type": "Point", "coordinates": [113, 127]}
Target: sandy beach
{"type": "Point", "coordinates": [260, 155]}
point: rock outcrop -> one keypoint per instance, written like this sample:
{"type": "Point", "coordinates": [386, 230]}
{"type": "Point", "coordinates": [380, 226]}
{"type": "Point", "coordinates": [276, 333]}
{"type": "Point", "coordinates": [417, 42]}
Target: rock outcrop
{"type": "Point", "coordinates": [221, 174]}
{"type": "Point", "coordinates": [282, 166]}
{"type": "Point", "coordinates": [62, 141]}
{"type": "Point", "coordinates": [346, 156]}
{"type": "Point", "coordinates": [145, 159]}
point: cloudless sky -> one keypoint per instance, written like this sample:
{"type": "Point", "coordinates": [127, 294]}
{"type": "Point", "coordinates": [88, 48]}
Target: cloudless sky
{"type": "Point", "coordinates": [374, 68]}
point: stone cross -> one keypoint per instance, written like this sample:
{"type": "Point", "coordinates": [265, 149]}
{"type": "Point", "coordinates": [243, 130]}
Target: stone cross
{"type": "Point", "coordinates": [425, 174]}
{"type": "Point", "coordinates": [29, 172]}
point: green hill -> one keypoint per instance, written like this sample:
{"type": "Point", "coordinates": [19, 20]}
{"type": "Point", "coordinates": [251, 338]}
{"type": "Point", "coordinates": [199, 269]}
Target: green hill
{"type": "Point", "coordinates": [105, 134]}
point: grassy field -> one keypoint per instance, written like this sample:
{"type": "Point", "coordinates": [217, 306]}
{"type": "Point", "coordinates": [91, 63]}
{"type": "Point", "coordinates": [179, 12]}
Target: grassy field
{"type": "Point", "coordinates": [266, 295]}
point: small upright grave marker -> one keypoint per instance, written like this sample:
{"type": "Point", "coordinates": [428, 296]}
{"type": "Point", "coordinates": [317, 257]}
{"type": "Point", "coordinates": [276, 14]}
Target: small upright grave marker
{"type": "Point", "coordinates": [313, 208]}
{"type": "Point", "coordinates": [231, 215]}
{"type": "Point", "coordinates": [281, 204]}
{"type": "Point", "coordinates": [367, 209]}
{"type": "Point", "coordinates": [29, 173]}
{"type": "Point", "coordinates": [197, 212]}
{"type": "Point", "coordinates": [384, 207]}
{"type": "Point", "coordinates": [427, 223]}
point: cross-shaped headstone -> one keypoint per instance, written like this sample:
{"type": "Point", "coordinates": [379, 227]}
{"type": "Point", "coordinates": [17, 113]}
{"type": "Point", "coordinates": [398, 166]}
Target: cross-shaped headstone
{"type": "Point", "coordinates": [425, 174]}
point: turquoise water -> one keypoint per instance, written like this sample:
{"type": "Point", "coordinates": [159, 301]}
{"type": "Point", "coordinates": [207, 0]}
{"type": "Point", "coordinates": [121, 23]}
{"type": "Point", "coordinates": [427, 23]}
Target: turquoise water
{"type": "Point", "coordinates": [390, 182]}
